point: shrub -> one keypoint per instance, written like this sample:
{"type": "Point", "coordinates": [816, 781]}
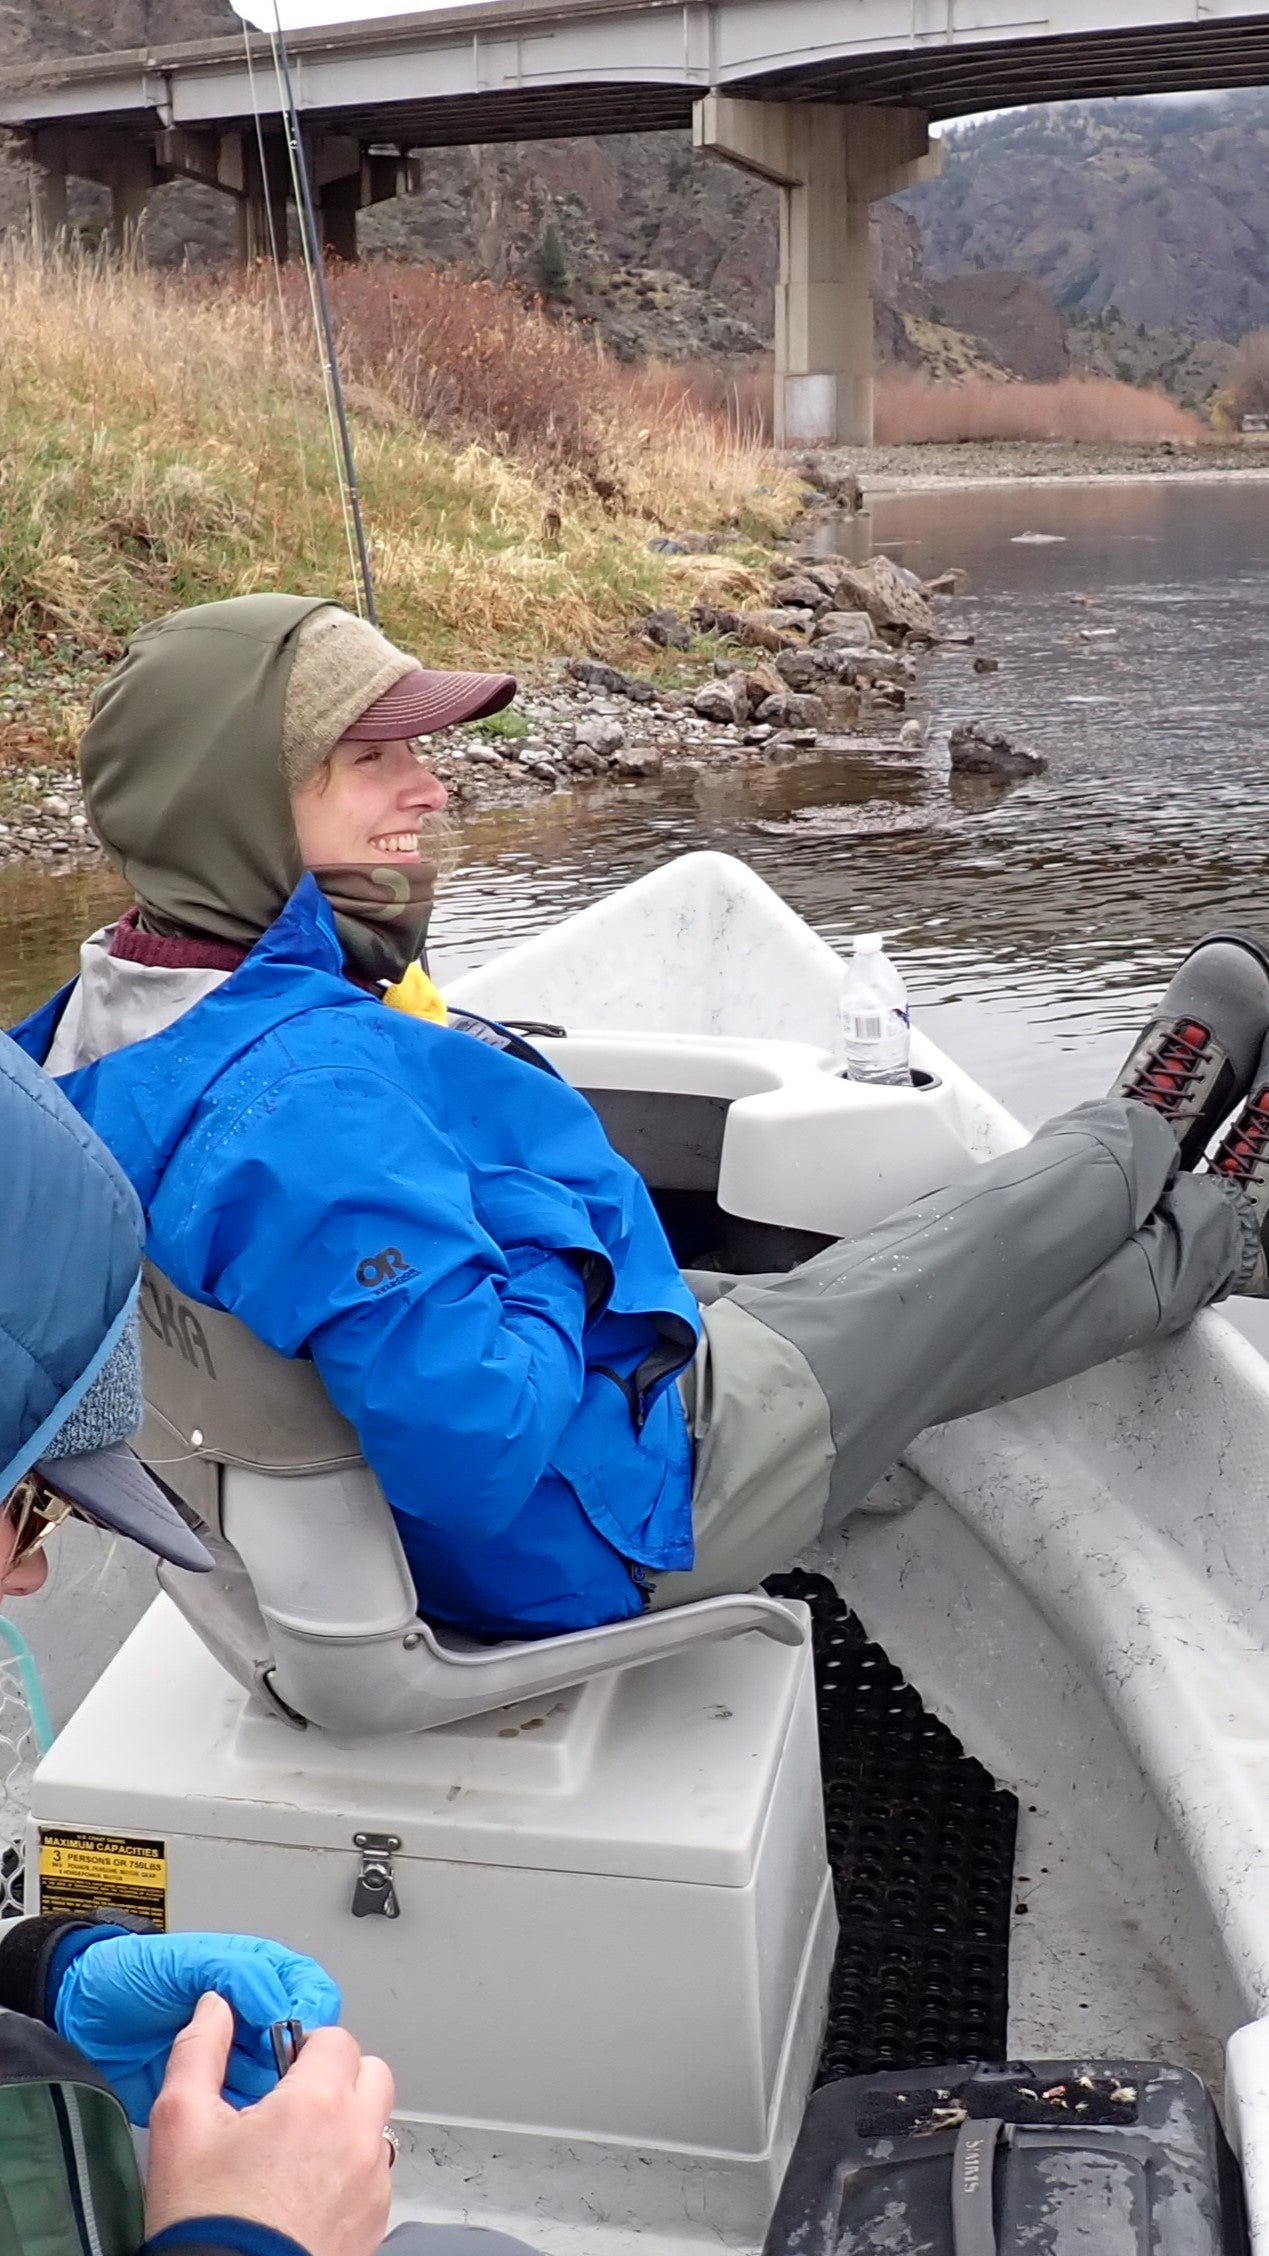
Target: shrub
{"type": "Point", "coordinates": [1084, 410]}
{"type": "Point", "coordinates": [554, 278]}
{"type": "Point", "coordinates": [1248, 387]}
{"type": "Point", "coordinates": [911, 410]}
{"type": "Point", "coordinates": [472, 361]}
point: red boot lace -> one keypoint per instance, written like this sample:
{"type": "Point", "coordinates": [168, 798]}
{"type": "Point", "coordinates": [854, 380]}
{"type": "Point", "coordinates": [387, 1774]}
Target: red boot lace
{"type": "Point", "coordinates": [1167, 1079]}
{"type": "Point", "coordinates": [1244, 1153]}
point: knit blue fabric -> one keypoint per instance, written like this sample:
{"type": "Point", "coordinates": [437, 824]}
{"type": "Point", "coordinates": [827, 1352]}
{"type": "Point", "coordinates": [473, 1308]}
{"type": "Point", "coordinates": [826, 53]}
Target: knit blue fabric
{"type": "Point", "coordinates": [113, 1407]}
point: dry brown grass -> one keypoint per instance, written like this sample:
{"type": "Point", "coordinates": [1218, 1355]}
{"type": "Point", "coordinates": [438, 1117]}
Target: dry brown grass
{"type": "Point", "coordinates": [1082, 410]}
{"type": "Point", "coordinates": [737, 397]}
{"type": "Point", "coordinates": [912, 410]}
{"type": "Point", "coordinates": [160, 445]}
{"type": "Point", "coordinates": [471, 361]}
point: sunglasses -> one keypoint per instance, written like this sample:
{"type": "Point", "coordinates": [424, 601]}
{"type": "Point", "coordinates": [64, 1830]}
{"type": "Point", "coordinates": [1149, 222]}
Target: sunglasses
{"type": "Point", "coordinates": [34, 1509]}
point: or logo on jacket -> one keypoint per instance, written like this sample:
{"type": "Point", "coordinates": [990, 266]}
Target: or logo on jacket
{"type": "Point", "coordinates": [381, 1270]}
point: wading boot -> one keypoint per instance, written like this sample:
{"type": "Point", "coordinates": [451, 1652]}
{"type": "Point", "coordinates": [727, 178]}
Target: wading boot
{"type": "Point", "coordinates": [1242, 1160]}
{"type": "Point", "coordinates": [1198, 1056]}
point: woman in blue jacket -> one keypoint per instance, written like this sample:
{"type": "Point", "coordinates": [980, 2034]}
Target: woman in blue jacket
{"type": "Point", "coordinates": [440, 1222]}
{"type": "Point", "coordinates": [482, 1283]}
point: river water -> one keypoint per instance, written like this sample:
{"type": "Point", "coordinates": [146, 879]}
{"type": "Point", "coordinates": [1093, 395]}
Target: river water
{"type": "Point", "coordinates": [1033, 923]}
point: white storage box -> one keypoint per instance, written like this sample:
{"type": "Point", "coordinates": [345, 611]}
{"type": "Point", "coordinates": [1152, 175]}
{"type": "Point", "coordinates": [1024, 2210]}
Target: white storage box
{"type": "Point", "coordinates": [614, 1913]}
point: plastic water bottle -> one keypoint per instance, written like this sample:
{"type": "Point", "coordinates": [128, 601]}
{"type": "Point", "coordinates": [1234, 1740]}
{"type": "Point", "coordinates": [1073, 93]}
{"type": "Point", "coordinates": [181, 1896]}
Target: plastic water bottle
{"type": "Point", "coordinates": [875, 1018]}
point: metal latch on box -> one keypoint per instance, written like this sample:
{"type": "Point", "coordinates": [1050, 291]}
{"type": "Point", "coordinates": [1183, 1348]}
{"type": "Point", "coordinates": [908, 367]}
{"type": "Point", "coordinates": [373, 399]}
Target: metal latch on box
{"type": "Point", "coordinates": [376, 1890]}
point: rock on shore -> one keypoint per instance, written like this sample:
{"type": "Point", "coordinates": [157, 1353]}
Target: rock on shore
{"type": "Point", "coordinates": [975, 750]}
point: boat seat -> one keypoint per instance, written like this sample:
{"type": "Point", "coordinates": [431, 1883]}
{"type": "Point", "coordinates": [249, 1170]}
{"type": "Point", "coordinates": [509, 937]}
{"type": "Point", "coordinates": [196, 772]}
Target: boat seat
{"type": "Point", "coordinates": [311, 1601]}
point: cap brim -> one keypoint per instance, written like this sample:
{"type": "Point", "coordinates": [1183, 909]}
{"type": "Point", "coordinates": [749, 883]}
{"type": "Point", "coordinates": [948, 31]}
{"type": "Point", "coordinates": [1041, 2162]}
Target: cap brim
{"type": "Point", "coordinates": [115, 1489]}
{"type": "Point", "coordinates": [422, 702]}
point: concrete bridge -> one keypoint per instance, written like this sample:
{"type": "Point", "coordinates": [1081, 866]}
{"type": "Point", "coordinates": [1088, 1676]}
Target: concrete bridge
{"type": "Point", "coordinates": [831, 100]}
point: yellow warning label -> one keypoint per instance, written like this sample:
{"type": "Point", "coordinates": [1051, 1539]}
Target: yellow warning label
{"type": "Point", "coordinates": [92, 1873]}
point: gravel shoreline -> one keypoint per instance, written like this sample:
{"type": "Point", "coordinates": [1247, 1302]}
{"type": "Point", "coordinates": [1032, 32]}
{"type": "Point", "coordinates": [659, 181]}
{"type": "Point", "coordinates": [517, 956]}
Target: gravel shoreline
{"type": "Point", "coordinates": [1047, 462]}
{"type": "Point", "coordinates": [579, 733]}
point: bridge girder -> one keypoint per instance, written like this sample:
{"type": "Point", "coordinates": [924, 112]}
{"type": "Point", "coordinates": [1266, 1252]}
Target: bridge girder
{"type": "Point", "coordinates": [524, 69]}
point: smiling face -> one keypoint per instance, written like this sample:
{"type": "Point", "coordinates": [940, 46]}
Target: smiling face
{"type": "Point", "coordinates": [368, 803]}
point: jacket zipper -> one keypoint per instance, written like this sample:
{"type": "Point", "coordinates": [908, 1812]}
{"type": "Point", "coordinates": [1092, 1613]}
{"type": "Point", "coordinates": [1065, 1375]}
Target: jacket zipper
{"type": "Point", "coordinates": [75, 2154]}
{"type": "Point", "coordinates": [663, 1363]}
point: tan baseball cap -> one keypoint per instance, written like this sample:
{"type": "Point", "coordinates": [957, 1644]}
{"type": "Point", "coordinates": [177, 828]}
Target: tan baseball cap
{"type": "Point", "coordinates": [347, 679]}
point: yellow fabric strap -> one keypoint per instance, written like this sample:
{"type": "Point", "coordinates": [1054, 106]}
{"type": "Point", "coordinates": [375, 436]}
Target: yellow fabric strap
{"type": "Point", "coordinates": [417, 995]}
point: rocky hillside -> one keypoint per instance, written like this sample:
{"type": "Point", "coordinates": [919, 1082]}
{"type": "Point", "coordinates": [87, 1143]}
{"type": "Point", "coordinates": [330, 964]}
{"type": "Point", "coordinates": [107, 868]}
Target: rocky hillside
{"type": "Point", "coordinates": [1190, 368]}
{"type": "Point", "coordinates": [666, 252]}
{"type": "Point", "coordinates": [1155, 212]}
{"type": "Point", "coordinates": [36, 29]}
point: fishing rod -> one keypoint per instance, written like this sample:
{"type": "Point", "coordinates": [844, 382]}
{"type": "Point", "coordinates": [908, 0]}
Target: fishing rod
{"type": "Point", "coordinates": [323, 322]}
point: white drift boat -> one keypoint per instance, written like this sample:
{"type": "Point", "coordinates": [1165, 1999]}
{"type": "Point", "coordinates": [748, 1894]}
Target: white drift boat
{"type": "Point", "coordinates": [592, 1930]}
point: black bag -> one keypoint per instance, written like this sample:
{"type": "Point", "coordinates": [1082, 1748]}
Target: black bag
{"type": "Point", "coordinates": [69, 2184]}
{"type": "Point", "coordinates": [1122, 2159]}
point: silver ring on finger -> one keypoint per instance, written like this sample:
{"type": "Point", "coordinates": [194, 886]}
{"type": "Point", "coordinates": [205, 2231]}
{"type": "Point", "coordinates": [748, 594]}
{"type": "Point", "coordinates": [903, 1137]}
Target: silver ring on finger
{"type": "Point", "coordinates": [392, 2143]}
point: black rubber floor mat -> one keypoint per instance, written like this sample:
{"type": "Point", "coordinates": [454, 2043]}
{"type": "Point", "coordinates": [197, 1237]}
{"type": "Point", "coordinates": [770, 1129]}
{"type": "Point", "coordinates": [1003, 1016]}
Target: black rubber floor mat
{"type": "Point", "coordinates": [921, 1846]}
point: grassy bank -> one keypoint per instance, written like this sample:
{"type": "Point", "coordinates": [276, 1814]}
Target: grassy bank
{"type": "Point", "coordinates": [164, 444]}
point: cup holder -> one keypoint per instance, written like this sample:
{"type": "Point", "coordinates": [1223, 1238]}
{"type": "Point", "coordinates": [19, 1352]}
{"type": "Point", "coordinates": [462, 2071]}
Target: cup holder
{"type": "Point", "coordinates": [922, 1082]}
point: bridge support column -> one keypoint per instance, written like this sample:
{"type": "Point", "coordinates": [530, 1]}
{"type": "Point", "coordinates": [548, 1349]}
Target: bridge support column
{"type": "Point", "coordinates": [130, 175]}
{"type": "Point", "coordinates": [49, 211]}
{"type": "Point", "coordinates": [337, 207]}
{"type": "Point", "coordinates": [231, 162]}
{"type": "Point", "coordinates": [335, 169]}
{"type": "Point", "coordinates": [830, 164]}
{"type": "Point", "coordinates": [262, 222]}
{"type": "Point", "coordinates": [115, 160]}
{"type": "Point", "coordinates": [347, 179]}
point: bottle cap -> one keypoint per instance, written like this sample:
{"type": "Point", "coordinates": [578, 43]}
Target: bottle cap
{"type": "Point", "coordinates": [867, 943]}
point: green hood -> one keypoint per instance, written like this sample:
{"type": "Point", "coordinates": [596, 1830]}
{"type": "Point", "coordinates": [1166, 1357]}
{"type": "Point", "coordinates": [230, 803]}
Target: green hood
{"type": "Point", "coordinates": [184, 787]}
{"type": "Point", "coordinates": [182, 767]}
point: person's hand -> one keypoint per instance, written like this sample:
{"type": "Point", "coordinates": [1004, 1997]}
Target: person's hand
{"type": "Point", "coordinates": [124, 1999]}
{"type": "Point", "coordinates": [311, 2160]}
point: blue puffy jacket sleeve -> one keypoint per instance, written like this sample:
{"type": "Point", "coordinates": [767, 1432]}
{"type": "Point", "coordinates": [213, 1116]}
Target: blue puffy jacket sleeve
{"type": "Point", "coordinates": [456, 1356]}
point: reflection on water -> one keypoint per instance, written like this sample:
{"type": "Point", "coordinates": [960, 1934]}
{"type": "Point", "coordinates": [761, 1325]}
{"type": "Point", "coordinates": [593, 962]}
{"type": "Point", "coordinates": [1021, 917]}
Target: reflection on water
{"type": "Point", "coordinates": [43, 917]}
{"type": "Point", "coordinates": [1032, 922]}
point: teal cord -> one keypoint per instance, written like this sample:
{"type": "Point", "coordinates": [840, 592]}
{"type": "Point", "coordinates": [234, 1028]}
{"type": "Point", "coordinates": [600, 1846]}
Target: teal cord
{"type": "Point", "coordinates": [41, 1722]}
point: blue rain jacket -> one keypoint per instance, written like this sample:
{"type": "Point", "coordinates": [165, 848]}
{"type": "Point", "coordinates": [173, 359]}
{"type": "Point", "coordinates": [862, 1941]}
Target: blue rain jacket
{"type": "Point", "coordinates": [70, 1258]}
{"type": "Point", "coordinates": [482, 1283]}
